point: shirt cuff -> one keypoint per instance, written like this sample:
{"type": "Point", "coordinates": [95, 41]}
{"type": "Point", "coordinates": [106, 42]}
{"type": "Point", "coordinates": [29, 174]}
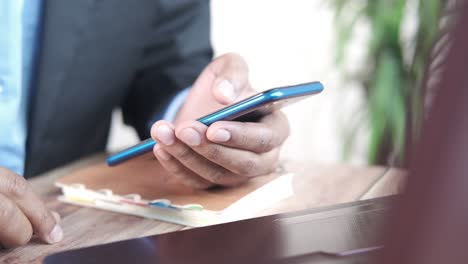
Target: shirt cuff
{"type": "Point", "coordinates": [172, 108]}
{"type": "Point", "coordinates": [175, 104]}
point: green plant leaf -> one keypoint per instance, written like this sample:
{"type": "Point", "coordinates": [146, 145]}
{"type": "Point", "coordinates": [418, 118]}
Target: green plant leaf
{"type": "Point", "coordinates": [393, 87]}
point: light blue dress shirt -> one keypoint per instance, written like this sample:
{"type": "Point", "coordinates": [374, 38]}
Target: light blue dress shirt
{"type": "Point", "coordinates": [18, 27]}
{"type": "Point", "coordinates": [174, 106]}
{"type": "Point", "coordinates": [19, 24]}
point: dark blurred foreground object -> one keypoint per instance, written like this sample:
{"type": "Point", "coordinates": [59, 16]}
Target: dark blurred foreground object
{"type": "Point", "coordinates": [431, 223]}
{"type": "Point", "coordinates": [336, 234]}
{"type": "Point", "coordinates": [428, 225]}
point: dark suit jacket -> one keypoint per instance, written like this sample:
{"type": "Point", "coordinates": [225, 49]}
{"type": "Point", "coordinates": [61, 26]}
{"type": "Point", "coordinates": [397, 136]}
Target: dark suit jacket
{"type": "Point", "coordinates": [97, 55]}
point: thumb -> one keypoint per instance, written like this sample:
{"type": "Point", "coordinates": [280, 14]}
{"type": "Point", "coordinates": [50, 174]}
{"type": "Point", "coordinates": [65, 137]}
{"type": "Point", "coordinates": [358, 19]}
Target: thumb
{"type": "Point", "coordinates": [231, 78]}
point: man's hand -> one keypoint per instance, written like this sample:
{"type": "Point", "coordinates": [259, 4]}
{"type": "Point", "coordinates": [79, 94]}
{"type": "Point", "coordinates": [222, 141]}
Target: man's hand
{"type": "Point", "coordinates": [228, 152]}
{"type": "Point", "coordinates": [22, 213]}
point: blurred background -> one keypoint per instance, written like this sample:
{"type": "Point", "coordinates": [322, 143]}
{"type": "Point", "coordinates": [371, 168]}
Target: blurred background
{"type": "Point", "coordinates": [370, 55]}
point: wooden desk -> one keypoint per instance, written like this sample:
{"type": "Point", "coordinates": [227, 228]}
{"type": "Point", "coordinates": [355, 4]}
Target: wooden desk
{"type": "Point", "coordinates": [314, 184]}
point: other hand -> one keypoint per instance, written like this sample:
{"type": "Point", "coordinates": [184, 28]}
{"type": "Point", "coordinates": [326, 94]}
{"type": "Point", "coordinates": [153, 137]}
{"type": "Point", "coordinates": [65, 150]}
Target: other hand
{"type": "Point", "coordinates": [23, 214]}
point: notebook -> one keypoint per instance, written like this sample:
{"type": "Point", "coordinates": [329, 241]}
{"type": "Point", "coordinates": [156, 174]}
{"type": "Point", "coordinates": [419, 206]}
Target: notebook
{"type": "Point", "coordinates": [143, 188]}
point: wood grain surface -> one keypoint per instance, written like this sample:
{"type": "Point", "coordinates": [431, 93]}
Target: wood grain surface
{"type": "Point", "coordinates": [314, 185]}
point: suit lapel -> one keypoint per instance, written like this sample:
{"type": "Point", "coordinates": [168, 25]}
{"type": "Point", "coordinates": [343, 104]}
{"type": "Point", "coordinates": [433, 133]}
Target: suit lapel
{"type": "Point", "coordinates": [63, 25]}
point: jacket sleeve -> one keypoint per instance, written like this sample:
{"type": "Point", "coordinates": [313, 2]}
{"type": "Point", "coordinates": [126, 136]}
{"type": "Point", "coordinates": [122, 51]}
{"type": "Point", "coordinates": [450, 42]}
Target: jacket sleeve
{"type": "Point", "coordinates": [177, 50]}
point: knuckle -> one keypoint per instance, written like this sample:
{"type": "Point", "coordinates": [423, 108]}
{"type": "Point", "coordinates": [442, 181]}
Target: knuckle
{"type": "Point", "coordinates": [214, 152]}
{"type": "Point", "coordinates": [46, 220]}
{"type": "Point", "coordinates": [265, 142]}
{"type": "Point", "coordinates": [184, 154]}
{"type": "Point", "coordinates": [247, 167]}
{"type": "Point", "coordinates": [243, 139]}
{"type": "Point", "coordinates": [176, 169]}
{"type": "Point", "coordinates": [216, 176]}
{"type": "Point", "coordinates": [6, 211]}
{"type": "Point", "coordinates": [17, 186]}
{"type": "Point", "coordinates": [23, 231]}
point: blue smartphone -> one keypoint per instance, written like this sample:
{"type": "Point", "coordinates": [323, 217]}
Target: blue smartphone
{"type": "Point", "coordinates": [247, 110]}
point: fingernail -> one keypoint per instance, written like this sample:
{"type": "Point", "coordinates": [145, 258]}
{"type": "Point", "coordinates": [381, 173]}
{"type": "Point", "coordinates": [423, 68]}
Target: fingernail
{"type": "Point", "coordinates": [55, 235]}
{"type": "Point", "coordinates": [227, 90]}
{"type": "Point", "coordinates": [165, 134]}
{"type": "Point", "coordinates": [190, 137]}
{"type": "Point", "coordinates": [163, 154]}
{"type": "Point", "coordinates": [221, 135]}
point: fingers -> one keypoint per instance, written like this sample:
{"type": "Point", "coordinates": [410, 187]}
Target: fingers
{"type": "Point", "coordinates": [241, 162]}
{"type": "Point", "coordinates": [18, 190]}
{"type": "Point", "coordinates": [16, 229]}
{"type": "Point", "coordinates": [163, 133]}
{"type": "Point", "coordinates": [260, 137]}
{"type": "Point", "coordinates": [187, 154]}
{"type": "Point", "coordinates": [176, 169]}
{"type": "Point", "coordinates": [228, 75]}
{"type": "Point", "coordinates": [222, 82]}
{"type": "Point", "coordinates": [56, 217]}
